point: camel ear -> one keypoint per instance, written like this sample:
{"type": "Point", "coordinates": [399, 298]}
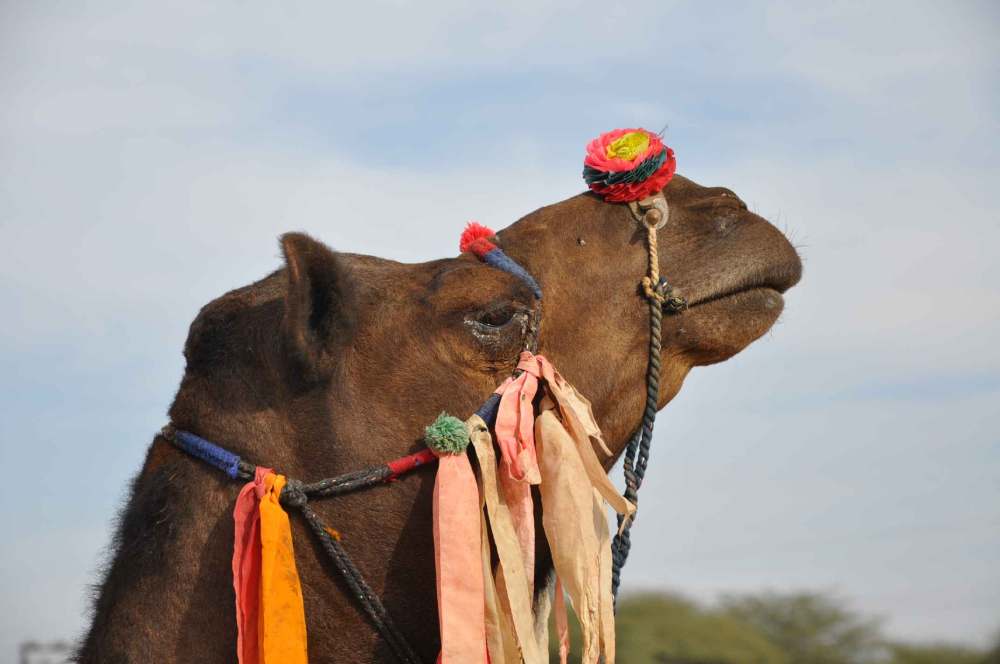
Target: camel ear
{"type": "Point", "coordinates": [318, 313]}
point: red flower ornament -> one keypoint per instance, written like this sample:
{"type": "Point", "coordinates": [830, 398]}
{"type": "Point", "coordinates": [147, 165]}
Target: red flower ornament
{"type": "Point", "coordinates": [626, 165]}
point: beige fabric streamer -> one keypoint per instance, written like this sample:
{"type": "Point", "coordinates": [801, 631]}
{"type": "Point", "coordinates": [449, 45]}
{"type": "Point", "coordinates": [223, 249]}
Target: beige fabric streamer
{"type": "Point", "coordinates": [607, 599]}
{"type": "Point", "coordinates": [515, 621]}
{"type": "Point", "coordinates": [574, 490]}
{"type": "Point", "coordinates": [573, 498]}
{"type": "Point", "coordinates": [500, 641]}
{"type": "Point", "coordinates": [577, 419]}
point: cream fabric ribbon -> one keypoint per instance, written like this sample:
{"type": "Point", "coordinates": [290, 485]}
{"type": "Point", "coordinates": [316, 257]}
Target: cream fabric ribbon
{"type": "Point", "coordinates": [577, 532]}
{"type": "Point", "coordinates": [574, 489]}
{"type": "Point", "coordinates": [510, 633]}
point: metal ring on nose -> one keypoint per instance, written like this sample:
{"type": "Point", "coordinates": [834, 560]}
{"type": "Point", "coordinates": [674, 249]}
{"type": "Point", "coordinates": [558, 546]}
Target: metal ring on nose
{"type": "Point", "coordinates": [656, 204]}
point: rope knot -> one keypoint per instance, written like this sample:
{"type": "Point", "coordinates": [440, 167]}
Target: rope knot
{"type": "Point", "coordinates": [294, 494]}
{"type": "Point", "coordinates": [663, 295]}
{"type": "Point", "coordinates": [653, 293]}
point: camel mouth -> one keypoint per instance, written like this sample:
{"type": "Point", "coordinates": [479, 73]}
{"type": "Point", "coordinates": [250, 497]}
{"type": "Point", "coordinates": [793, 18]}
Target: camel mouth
{"type": "Point", "coordinates": [768, 286]}
{"type": "Point", "coordinates": [762, 303]}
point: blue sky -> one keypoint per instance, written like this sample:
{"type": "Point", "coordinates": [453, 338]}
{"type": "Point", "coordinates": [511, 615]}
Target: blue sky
{"type": "Point", "coordinates": [150, 157]}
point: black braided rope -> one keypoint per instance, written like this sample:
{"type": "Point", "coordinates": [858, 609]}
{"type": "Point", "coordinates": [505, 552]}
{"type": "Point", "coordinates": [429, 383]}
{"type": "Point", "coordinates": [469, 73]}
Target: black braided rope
{"type": "Point", "coordinates": [296, 494]}
{"type": "Point", "coordinates": [359, 587]}
{"type": "Point", "coordinates": [359, 479]}
{"type": "Point", "coordinates": [637, 452]}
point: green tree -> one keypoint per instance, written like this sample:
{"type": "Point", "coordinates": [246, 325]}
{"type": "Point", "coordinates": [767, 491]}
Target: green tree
{"type": "Point", "coordinates": [765, 628]}
{"type": "Point", "coordinates": [994, 655]}
{"type": "Point", "coordinates": [935, 654]}
{"type": "Point", "coordinates": [810, 628]}
{"type": "Point", "coordinates": [668, 629]}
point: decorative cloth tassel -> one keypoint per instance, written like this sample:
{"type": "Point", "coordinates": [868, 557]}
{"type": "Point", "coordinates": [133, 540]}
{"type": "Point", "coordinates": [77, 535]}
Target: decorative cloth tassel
{"type": "Point", "coordinates": [514, 427]}
{"type": "Point", "coordinates": [513, 601]}
{"type": "Point", "coordinates": [516, 420]}
{"type": "Point", "coordinates": [270, 615]}
{"type": "Point", "coordinates": [458, 562]}
{"type": "Point", "coordinates": [571, 510]}
{"type": "Point", "coordinates": [246, 568]}
{"type": "Point", "coordinates": [574, 490]}
{"type": "Point", "coordinates": [576, 415]}
{"type": "Point", "coordinates": [500, 643]}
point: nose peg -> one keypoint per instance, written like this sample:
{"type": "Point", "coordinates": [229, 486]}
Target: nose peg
{"type": "Point", "coordinates": [672, 303]}
{"type": "Point", "coordinates": [651, 211]}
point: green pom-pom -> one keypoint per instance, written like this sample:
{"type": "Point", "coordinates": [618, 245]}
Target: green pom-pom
{"type": "Point", "coordinates": [447, 435]}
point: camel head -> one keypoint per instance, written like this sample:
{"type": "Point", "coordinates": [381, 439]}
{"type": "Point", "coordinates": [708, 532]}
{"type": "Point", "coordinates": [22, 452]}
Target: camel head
{"type": "Point", "coordinates": [337, 348]}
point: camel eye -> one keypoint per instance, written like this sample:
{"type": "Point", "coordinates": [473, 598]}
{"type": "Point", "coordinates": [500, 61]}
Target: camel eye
{"type": "Point", "coordinates": [498, 321]}
{"type": "Point", "coordinates": [497, 317]}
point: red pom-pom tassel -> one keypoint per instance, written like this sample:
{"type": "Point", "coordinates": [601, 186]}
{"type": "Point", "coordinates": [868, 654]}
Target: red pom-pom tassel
{"type": "Point", "coordinates": [476, 238]}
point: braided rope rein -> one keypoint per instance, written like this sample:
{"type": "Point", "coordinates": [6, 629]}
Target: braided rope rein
{"type": "Point", "coordinates": [653, 214]}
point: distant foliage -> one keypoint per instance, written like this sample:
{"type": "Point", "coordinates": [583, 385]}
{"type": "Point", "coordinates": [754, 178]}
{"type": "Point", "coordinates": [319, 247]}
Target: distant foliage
{"type": "Point", "coordinates": [673, 630]}
{"type": "Point", "coordinates": [765, 628]}
{"type": "Point", "coordinates": [936, 654]}
{"type": "Point", "coordinates": [810, 628]}
{"type": "Point", "coordinates": [669, 629]}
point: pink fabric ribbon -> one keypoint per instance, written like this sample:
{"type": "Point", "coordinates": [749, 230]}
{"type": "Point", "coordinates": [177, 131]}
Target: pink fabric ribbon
{"type": "Point", "coordinates": [516, 421]}
{"type": "Point", "coordinates": [458, 562]}
{"type": "Point", "coordinates": [515, 431]}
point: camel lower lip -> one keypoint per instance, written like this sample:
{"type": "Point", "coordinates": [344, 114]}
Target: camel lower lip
{"type": "Point", "coordinates": [759, 297]}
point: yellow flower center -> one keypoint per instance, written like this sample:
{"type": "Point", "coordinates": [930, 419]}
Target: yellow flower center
{"type": "Point", "coordinates": [629, 146]}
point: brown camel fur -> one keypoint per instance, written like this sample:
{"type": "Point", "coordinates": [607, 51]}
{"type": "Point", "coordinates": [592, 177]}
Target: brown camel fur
{"type": "Point", "coordinates": [338, 361]}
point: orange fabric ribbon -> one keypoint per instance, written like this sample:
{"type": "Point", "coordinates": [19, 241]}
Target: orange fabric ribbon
{"type": "Point", "coordinates": [458, 562]}
{"type": "Point", "coordinates": [270, 616]}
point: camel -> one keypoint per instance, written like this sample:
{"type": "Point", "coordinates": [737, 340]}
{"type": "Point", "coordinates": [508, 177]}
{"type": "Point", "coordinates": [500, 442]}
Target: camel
{"type": "Point", "coordinates": [338, 361]}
